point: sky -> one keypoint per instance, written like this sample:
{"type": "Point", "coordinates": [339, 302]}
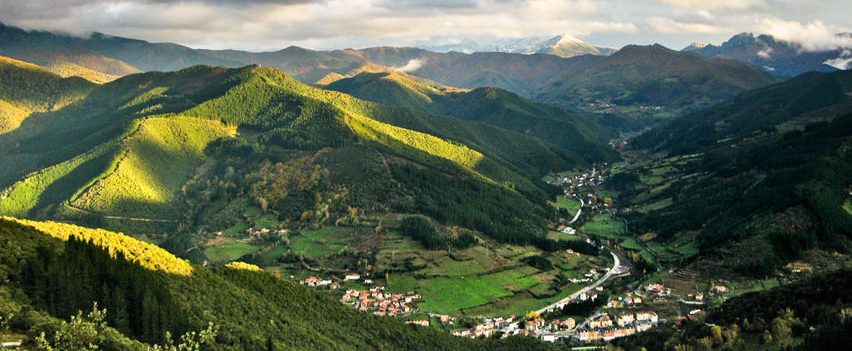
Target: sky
{"type": "Point", "coordinates": [266, 25]}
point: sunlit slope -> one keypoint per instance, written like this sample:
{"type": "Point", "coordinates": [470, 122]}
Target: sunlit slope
{"type": "Point", "coordinates": [305, 116]}
{"type": "Point", "coordinates": [156, 159]}
{"type": "Point", "coordinates": [147, 255]}
{"type": "Point", "coordinates": [26, 88]}
{"type": "Point", "coordinates": [580, 137]}
{"type": "Point", "coordinates": [58, 183]}
{"type": "Point", "coordinates": [93, 74]}
{"type": "Point", "coordinates": [120, 157]}
{"type": "Point", "coordinates": [107, 114]}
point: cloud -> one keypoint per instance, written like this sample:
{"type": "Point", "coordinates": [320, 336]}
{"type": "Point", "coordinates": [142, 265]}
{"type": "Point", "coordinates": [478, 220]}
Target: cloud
{"type": "Point", "coordinates": [710, 5]}
{"type": "Point", "coordinates": [812, 36]}
{"type": "Point", "coordinates": [667, 25]}
{"type": "Point", "coordinates": [329, 24]}
{"type": "Point", "coordinates": [765, 53]}
{"type": "Point", "coordinates": [427, 4]}
{"type": "Point", "coordinates": [844, 61]}
{"type": "Point", "coordinates": [412, 66]}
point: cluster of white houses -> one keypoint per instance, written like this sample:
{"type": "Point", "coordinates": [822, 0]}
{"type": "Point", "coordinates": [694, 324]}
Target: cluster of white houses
{"type": "Point", "coordinates": [488, 327]}
{"type": "Point", "coordinates": [604, 327]}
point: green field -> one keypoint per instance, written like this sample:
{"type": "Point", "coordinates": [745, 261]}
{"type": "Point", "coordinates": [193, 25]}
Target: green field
{"type": "Point", "coordinates": [481, 280]}
{"type": "Point", "coordinates": [231, 249]}
{"type": "Point", "coordinates": [568, 204]}
{"type": "Point", "coordinates": [604, 225]}
{"type": "Point", "coordinates": [236, 229]}
{"type": "Point", "coordinates": [323, 242]}
{"type": "Point", "coordinates": [401, 283]}
{"type": "Point", "coordinates": [266, 221]}
{"type": "Point", "coordinates": [631, 244]}
{"type": "Point", "coordinates": [451, 295]}
{"type": "Point", "coordinates": [519, 304]}
{"type": "Point", "coordinates": [655, 205]}
{"type": "Point", "coordinates": [554, 235]}
{"type": "Point", "coordinates": [475, 260]}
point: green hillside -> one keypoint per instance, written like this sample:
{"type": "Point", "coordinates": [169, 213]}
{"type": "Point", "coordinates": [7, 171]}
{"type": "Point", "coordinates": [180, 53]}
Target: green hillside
{"type": "Point", "coordinates": [781, 108]}
{"type": "Point", "coordinates": [806, 315]}
{"type": "Point", "coordinates": [576, 133]}
{"type": "Point", "coordinates": [131, 155]}
{"type": "Point", "coordinates": [27, 88]}
{"type": "Point", "coordinates": [768, 170]}
{"type": "Point", "coordinates": [157, 158]}
{"type": "Point", "coordinates": [147, 291]}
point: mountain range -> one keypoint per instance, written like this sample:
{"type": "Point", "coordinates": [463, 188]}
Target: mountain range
{"type": "Point", "coordinates": [126, 149]}
{"type": "Point", "coordinates": [561, 45]}
{"type": "Point", "coordinates": [541, 77]}
{"type": "Point", "coordinates": [777, 57]}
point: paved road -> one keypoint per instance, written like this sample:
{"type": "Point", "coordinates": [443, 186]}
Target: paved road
{"type": "Point", "coordinates": [616, 268]}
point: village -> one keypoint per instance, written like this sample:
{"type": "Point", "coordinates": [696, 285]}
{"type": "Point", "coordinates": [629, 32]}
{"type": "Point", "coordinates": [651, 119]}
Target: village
{"type": "Point", "coordinates": [619, 316]}
{"type": "Point", "coordinates": [373, 299]}
{"type": "Point", "coordinates": [615, 323]}
{"type": "Point", "coordinates": [611, 317]}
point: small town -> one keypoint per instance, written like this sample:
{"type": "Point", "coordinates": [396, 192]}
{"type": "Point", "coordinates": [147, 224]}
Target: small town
{"type": "Point", "coordinates": [380, 303]}
{"type": "Point", "coordinates": [373, 299]}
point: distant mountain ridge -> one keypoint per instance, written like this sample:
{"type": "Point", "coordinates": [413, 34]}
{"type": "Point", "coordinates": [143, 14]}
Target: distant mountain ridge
{"type": "Point", "coordinates": [541, 77]}
{"type": "Point", "coordinates": [561, 45]}
{"type": "Point", "coordinates": [651, 75]}
{"type": "Point", "coordinates": [777, 57]}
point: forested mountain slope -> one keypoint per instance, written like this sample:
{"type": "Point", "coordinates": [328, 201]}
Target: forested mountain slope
{"type": "Point", "coordinates": [769, 170]}
{"type": "Point", "coordinates": [147, 291]}
{"type": "Point", "coordinates": [654, 76]}
{"type": "Point", "coordinates": [634, 75]}
{"type": "Point", "coordinates": [26, 88]}
{"type": "Point", "coordinates": [572, 131]}
{"type": "Point", "coordinates": [123, 157]}
{"type": "Point", "coordinates": [777, 57]}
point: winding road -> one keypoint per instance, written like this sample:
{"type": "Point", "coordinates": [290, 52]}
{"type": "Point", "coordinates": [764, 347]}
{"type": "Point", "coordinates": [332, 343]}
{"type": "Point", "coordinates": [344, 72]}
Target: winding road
{"type": "Point", "coordinates": [616, 269]}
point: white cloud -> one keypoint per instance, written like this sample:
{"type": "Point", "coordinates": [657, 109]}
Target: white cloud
{"type": "Point", "coordinates": [812, 36]}
{"type": "Point", "coordinates": [667, 25]}
{"type": "Point", "coordinates": [327, 24]}
{"type": "Point", "coordinates": [411, 66]}
{"type": "Point", "coordinates": [844, 61]}
{"type": "Point", "coordinates": [710, 5]}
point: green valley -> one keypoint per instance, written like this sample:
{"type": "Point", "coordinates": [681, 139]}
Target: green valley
{"type": "Point", "coordinates": [162, 197]}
